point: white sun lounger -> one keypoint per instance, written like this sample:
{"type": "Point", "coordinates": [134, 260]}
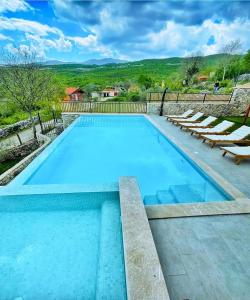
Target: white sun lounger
{"type": "Point", "coordinates": [182, 116]}
{"type": "Point", "coordinates": [237, 136]}
{"type": "Point", "coordinates": [203, 124]}
{"type": "Point", "coordinates": [192, 119]}
{"type": "Point", "coordinates": [218, 129]}
{"type": "Point", "coordinates": [238, 152]}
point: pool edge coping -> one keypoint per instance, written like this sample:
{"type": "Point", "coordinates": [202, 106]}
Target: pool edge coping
{"type": "Point", "coordinates": [239, 205]}
{"type": "Point", "coordinates": [144, 277]}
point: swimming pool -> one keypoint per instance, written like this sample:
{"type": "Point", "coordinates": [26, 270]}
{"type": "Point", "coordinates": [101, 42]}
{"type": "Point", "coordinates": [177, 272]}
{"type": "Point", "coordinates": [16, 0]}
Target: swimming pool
{"type": "Point", "coordinates": [99, 149]}
{"type": "Point", "coordinates": [61, 246]}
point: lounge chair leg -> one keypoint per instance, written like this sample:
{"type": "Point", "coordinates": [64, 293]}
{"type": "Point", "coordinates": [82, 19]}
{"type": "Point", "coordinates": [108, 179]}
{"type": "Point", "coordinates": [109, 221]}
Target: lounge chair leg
{"type": "Point", "coordinates": [237, 160]}
{"type": "Point", "coordinates": [224, 153]}
{"type": "Point", "coordinates": [204, 141]}
{"type": "Point", "coordinates": [212, 145]}
{"type": "Point", "coordinates": [192, 132]}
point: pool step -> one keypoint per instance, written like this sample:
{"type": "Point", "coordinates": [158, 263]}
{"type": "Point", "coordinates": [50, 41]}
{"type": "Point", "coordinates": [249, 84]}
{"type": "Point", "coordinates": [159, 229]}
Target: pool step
{"type": "Point", "coordinates": [110, 283]}
{"type": "Point", "coordinates": [166, 197]}
{"type": "Point", "coordinates": [151, 200]}
{"type": "Point", "coordinates": [161, 197]}
{"type": "Point", "coordinates": [185, 193]}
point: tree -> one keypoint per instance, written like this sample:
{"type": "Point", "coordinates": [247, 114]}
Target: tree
{"type": "Point", "coordinates": [246, 61]}
{"type": "Point", "coordinates": [229, 51]}
{"type": "Point", "coordinates": [145, 81]}
{"type": "Point", "coordinates": [191, 65]}
{"type": "Point", "coordinates": [89, 88]}
{"type": "Point", "coordinates": [25, 83]}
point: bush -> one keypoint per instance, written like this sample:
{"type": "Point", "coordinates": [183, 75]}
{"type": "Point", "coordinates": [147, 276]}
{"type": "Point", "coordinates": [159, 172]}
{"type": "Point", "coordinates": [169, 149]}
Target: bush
{"type": "Point", "coordinates": [6, 110]}
{"type": "Point", "coordinates": [134, 97]}
{"type": "Point", "coordinates": [226, 83]}
{"type": "Point", "coordinates": [118, 98]}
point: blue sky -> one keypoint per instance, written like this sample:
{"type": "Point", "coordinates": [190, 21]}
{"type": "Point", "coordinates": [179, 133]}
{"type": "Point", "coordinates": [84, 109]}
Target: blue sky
{"type": "Point", "coordinates": [79, 30]}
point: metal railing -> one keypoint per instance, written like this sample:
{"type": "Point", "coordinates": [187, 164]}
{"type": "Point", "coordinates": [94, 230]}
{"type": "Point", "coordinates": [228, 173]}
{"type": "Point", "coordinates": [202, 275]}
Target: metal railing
{"type": "Point", "coordinates": [188, 97]}
{"type": "Point", "coordinates": [105, 107]}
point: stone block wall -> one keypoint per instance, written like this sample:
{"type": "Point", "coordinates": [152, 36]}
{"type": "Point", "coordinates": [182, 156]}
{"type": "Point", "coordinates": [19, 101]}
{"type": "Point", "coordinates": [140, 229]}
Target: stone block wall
{"type": "Point", "coordinates": [68, 118]}
{"type": "Point", "coordinates": [214, 109]}
{"type": "Point", "coordinates": [237, 105]}
{"type": "Point", "coordinates": [10, 129]}
{"type": "Point", "coordinates": [19, 151]}
{"type": "Point", "coordinates": [7, 176]}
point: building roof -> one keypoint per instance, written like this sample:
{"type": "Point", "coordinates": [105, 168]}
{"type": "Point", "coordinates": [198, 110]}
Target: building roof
{"type": "Point", "coordinates": [111, 89]}
{"type": "Point", "coordinates": [72, 90]}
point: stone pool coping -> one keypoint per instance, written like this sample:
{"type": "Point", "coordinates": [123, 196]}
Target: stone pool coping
{"type": "Point", "coordinates": [239, 205]}
{"type": "Point", "coordinates": [144, 275]}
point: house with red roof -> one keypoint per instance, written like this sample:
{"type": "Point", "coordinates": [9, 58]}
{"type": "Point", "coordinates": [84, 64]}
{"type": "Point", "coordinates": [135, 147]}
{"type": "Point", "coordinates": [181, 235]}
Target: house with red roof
{"type": "Point", "coordinates": [74, 94]}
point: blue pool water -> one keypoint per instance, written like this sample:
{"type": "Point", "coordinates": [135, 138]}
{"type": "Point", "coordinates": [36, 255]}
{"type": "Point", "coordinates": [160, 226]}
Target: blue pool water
{"type": "Point", "coordinates": [61, 246]}
{"type": "Point", "coordinates": [99, 149]}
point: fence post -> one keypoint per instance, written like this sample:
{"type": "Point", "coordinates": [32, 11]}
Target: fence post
{"type": "Point", "coordinates": [177, 97]}
{"type": "Point", "coordinates": [40, 122]}
{"type": "Point", "coordinates": [54, 117]}
{"type": "Point", "coordinates": [231, 97]}
{"type": "Point", "coordinates": [119, 107]}
{"type": "Point", "coordinates": [204, 97]}
{"type": "Point", "coordinates": [19, 139]}
{"type": "Point", "coordinates": [90, 106]}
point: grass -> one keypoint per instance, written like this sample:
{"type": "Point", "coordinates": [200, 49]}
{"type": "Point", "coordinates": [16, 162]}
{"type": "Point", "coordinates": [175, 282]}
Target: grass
{"type": "Point", "coordinates": [238, 120]}
{"type": "Point", "coordinates": [6, 165]}
{"type": "Point", "coordinates": [20, 116]}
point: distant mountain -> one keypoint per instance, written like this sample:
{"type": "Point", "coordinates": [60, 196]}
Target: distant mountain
{"type": "Point", "coordinates": [55, 62]}
{"type": "Point", "coordinates": [104, 61]}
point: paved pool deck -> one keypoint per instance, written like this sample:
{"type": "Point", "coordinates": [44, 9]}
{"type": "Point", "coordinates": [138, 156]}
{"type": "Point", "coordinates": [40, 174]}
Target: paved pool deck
{"type": "Point", "coordinates": [206, 257]}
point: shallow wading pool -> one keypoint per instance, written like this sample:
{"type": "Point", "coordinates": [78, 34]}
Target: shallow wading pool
{"type": "Point", "coordinates": [61, 246]}
{"type": "Point", "coordinates": [98, 149]}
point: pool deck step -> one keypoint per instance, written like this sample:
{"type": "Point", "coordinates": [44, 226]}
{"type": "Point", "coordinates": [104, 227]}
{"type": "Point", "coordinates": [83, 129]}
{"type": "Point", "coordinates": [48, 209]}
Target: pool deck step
{"type": "Point", "coordinates": [109, 273]}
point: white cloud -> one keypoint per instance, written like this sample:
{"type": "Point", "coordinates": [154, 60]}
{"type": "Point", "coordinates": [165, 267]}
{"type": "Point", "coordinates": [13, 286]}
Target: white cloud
{"type": "Point", "coordinates": [91, 43]}
{"type": "Point", "coordinates": [13, 5]}
{"type": "Point", "coordinates": [4, 37]}
{"type": "Point", "coordinates": [27, 26]}
{"type": "Point", "coordinates": [38, 37]}
{"type": "Point", "coordinates": [180, 40]}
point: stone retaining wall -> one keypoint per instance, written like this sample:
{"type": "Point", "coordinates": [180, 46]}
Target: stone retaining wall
{"type": "Point", "coordinates": [216, 110]}
{"type": "Point", "coordinates": [237, 105]}
{"type": "Point", "coordinates": [68, 118]}
{"type": "Point", "coordinates": [10, 129]}
{"type": "Point", "coordinates": [19, 151]}
{"type": "Point", "coordinates": [7, 176]}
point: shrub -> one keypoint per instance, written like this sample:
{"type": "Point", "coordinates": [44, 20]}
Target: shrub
{"type": "Point", "coordinates": [134, 97]}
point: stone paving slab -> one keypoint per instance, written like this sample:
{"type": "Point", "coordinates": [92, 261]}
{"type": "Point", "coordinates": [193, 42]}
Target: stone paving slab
{"type": "Point", "coordinates": [213, 252]}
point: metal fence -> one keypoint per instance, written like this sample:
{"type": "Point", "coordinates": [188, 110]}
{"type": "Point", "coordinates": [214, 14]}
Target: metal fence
{"type": "Point", "coordinates": [105, 107]}
{"type": "Point", "coordinates": [189, 97]}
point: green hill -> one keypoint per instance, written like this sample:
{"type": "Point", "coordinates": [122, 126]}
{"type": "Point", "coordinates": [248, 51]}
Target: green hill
{"type": "Point", "coordinates": [158, 69]}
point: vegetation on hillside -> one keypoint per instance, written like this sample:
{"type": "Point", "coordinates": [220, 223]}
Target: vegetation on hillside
{"type": "Point", "coordinates": [139, 77]}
